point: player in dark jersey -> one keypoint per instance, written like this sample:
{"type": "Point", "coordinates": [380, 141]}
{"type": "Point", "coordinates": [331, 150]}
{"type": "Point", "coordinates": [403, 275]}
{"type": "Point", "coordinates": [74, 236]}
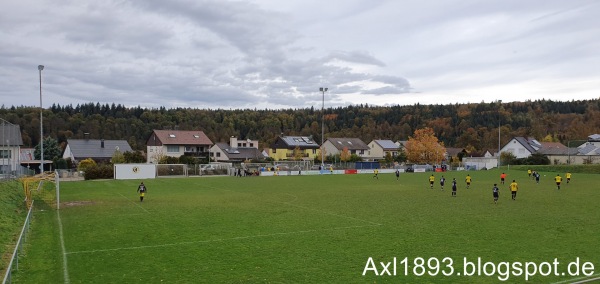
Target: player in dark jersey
{"type": "Point", "coordinates": [454, 187]}
{"type": "Point", "coordinates": [442, 182]}
{"type": "Point", "coordinates": [142, 191]}
{"type": "Point", "coordinates": [495, 191]}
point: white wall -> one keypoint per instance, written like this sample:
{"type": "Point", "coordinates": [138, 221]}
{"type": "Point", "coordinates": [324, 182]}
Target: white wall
{"type": "Point", "coordinates": [135, 171]}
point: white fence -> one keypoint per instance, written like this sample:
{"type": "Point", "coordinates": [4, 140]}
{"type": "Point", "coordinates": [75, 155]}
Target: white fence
{"type": "Point", "coordinates": [14, 260]}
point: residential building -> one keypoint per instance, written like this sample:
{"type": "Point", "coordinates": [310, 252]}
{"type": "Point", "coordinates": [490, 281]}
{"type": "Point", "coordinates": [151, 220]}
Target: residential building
{"type": "Point", "coordinates": [10, 144]}
{"type": "Point", "coordinates": [236, 151]}
{"type": "Point", "coordinates": [175, 143]}
{"type": "Point", "coordinates": [378, 149]}
{"type": "Point", "coordinates": [285, 147]}
{"type": "Point", "coordinates": [354, 146]}
{"type": "Point", "coordinates": [521, 147]}
{"type": "Point", "coordinates": [99, 150]}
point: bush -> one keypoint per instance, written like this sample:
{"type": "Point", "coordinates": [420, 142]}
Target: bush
{"type": "Point", "coordinates": [103, 171]}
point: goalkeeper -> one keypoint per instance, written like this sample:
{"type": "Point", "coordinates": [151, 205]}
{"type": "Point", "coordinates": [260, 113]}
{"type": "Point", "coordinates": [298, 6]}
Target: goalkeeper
{"type": "Point", "coordinates": [142, 191]}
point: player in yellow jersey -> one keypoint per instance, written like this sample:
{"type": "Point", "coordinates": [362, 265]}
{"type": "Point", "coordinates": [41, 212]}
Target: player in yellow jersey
{"type": "Point", "coordinates": [568, 177]}
{"type": "Point", "coordinates": [468, 180]}
{"type": "Point", "coordinates": [529, 173]}
{"type": "Point", "coordinates": [431, 181]}
{"type": "Point", "coordinates": [376, 173]}
{"type": "Point", "coordinates": [558, 180]}
{"type": "Point", "coordinates": [514, 187]}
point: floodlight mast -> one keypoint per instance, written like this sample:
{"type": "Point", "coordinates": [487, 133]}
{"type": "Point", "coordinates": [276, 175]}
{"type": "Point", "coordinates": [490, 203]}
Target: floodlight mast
{"type": "Point", "coordinates": [322, 90]}
{"type": "Point", "coordinates": [40, 68]}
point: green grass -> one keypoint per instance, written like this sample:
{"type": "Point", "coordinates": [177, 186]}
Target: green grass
{"type": "Point", "coordinates": [12, 215]}
{"type": "Point", "coordinates": [307, 229]}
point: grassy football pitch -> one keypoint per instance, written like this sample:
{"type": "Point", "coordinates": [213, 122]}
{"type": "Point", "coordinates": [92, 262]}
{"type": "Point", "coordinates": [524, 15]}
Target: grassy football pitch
{"type": "Point", "coordinates": [311, 229]}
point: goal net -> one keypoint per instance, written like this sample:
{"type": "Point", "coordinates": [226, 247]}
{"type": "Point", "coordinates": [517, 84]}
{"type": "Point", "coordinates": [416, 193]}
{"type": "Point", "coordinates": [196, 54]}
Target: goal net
{"type": "Point", "coordinates": [171, 170]}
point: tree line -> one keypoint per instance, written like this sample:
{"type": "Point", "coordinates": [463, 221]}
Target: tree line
{"type": "Point", "coordinates": [474, 126]}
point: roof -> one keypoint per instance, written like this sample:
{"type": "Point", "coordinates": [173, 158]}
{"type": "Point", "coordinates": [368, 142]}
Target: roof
{"type": "Point", "coordinates": [239, 153]}
{"type": "Point", "coordinates": [349, 143]}
{"type": "Point", "coordinates": [589, 149]}
{"type": "Point", "coordinates": [182, 137]}
{"type": "Point", "coordinates": [92, 148]}
{"type": "Point", "coordinates": [387, 144]}
{"type": "Point", "coordinates": [291, 142]}
{"type": "Point", "coordinates": [594, 137]}
{"type": "Point", "coordinates": [530, 144]}
{"type": "Point", "coordinates": [453, 152]}
{"type": "Point", "coordinates": [10, 135]}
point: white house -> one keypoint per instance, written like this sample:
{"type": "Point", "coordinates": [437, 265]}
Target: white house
{"type": "Point", "coordinates": [236, 150]}
{"type": "Point", "coordinates": [175, 143]}
{"type": "Point", "coordinates": [378, 149]}
{"type": "Point", "coordinates": [335, 146]}
{"type": "Point", "coordinates": [521, 147]}
{"type": "Point", "coordinates": [10, 144]}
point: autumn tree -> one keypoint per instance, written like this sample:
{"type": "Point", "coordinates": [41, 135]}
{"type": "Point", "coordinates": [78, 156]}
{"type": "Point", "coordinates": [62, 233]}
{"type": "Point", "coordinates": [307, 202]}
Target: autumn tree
{"type": "Point", "coordinates": [424, 147]}
{"type": "Point", "coordinates": [345, 155]}
{"type": "Point", "coordinates": [298, 154]}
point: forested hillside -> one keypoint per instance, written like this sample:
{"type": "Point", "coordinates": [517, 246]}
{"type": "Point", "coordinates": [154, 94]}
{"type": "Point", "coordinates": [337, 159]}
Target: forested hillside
{"type": "Point", "coordinates": [474, 126]}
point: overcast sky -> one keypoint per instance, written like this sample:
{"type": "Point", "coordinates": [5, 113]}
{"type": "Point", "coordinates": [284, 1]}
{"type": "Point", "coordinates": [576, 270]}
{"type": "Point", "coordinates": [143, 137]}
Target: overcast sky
{"type": "Point", "coordinates": [277, 53]}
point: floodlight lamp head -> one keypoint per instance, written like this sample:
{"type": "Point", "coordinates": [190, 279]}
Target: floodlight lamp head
{"type": "Point", "coordinates": [40, 67]}
{"type": "Point", "coordinates": [323, 89]}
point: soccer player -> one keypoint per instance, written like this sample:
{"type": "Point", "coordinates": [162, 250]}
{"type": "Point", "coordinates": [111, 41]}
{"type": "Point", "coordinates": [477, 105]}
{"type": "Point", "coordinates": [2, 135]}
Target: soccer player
{"type": "Point", "coordinates": [558, 180]}
{"type": "Point", "coordinates": [502, 177]}
{"type": "Point", "coordinates": [431, 181]}
{"type": "Point", "coordinates": [397, 174]}
{"type": "Point", "coordinates": [537, 177]}
{"type": "Point", "coordinates": [442, 182]}
{"type": "Point", "coordinates": [454, 187]}
{"type": "Point", "coordinates": [468, 180]}
{"type": "Point", "coordinates": [514, 187]}
{"type": "Point", "coordinates": [568, 177]}
{"type": "Point", "coordinates": [142, 190]}
{"type": "Point", "coordinates": [529, 172]}
{"type": "Point", "coordinates": [376, 172]}
{"type": "Point", "coordinates": [495, 191]}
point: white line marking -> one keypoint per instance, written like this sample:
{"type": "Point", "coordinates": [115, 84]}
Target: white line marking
{"type": "Point", "coordinates": [585, 279]}
{"type": "Point", "coordinates": [140, 206]}
{"type": "Point", "coordinates": [221, 240]}
{"type": "Point", "coordinates": [62, 245]}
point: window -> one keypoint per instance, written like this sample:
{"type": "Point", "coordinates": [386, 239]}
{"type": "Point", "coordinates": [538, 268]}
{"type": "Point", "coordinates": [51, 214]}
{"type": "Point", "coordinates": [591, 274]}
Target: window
{"type": "Point", "coordinates": [5, 154]}
{"type": "Point", "coordinates": [218, 154]}
{"type": "Point", "coordinates": [172, 148]}
{"type": "Point", "coordinates": [171, 135]}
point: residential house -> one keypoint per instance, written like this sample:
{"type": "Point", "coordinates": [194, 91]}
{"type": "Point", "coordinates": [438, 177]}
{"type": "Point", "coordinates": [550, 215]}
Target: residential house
{"type": "Point", "coordinates": [586, 153]}
{"type": "Point", "coordinates": [335, 146]}
{"type": "Point", "coordinates": [10, 144]}
{"type": "Point", "coordinates": [236, 151]}
{"type": "Point", "coordinates": [99, 150]}
{"type": "Point", "coordinates": [480, 159]}
{"type": "Point", "coordinates": [521, 147]}
{"type": "Point", "coordinates": [378, 149]}
{"type": "Point", "coordinates": [284, 147]}
{"type": "Point", "coordinates": [176, 143]}
{"type": "Point", "coordinates": [455, 152]}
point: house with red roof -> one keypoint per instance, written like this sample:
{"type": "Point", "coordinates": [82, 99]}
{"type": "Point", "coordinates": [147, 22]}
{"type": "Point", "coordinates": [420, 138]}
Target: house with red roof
{"type": "Point", "coordinates": [176, 143]}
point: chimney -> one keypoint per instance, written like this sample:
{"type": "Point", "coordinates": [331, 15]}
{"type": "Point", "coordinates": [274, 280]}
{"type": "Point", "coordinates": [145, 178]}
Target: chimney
{"type": "Point", "coordinates": [102, 143]}
{"type": "Point", "coordinates": [233, 142]}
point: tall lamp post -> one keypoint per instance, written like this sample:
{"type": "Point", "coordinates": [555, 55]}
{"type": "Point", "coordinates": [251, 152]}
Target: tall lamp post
{"type": "Point", "coordinates": [569, 149]}
{"type": "Point", "coordinates": [323, 90]}
{"type": "Point", "coordinates": [40, 68]}
{"type": "Point", "coordinates": [499, 105]}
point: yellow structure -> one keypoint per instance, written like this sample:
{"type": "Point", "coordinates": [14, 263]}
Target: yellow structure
{"type": "Point", "coordinates": [291, 148]}
{"type": "Point", "coordinates": [35, 181]}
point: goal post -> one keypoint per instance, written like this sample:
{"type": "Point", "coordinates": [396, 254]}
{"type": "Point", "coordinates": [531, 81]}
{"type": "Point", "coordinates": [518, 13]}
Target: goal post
{"type": "Point", "coordinates": [171, 170]}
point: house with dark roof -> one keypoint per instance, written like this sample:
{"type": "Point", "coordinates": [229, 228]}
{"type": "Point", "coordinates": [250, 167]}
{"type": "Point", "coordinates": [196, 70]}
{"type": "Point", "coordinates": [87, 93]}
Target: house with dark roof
{"type": "Point", "coordinates": [99, 150]}
{"type": "Point", "coordinates": [10, 144]}
{"type": "Point", "coordinates": [176, 143]}
{"type": "Point", "coordinates": [236, 151]}
{"type": "Point", "coordinates": [335, 146]}
{"type": "Point", "coordinates": [378, 149]}
{"type": "Point", "coordinates": [521, 147]}
{"type": "Point", "coordinates": [289, 148]}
